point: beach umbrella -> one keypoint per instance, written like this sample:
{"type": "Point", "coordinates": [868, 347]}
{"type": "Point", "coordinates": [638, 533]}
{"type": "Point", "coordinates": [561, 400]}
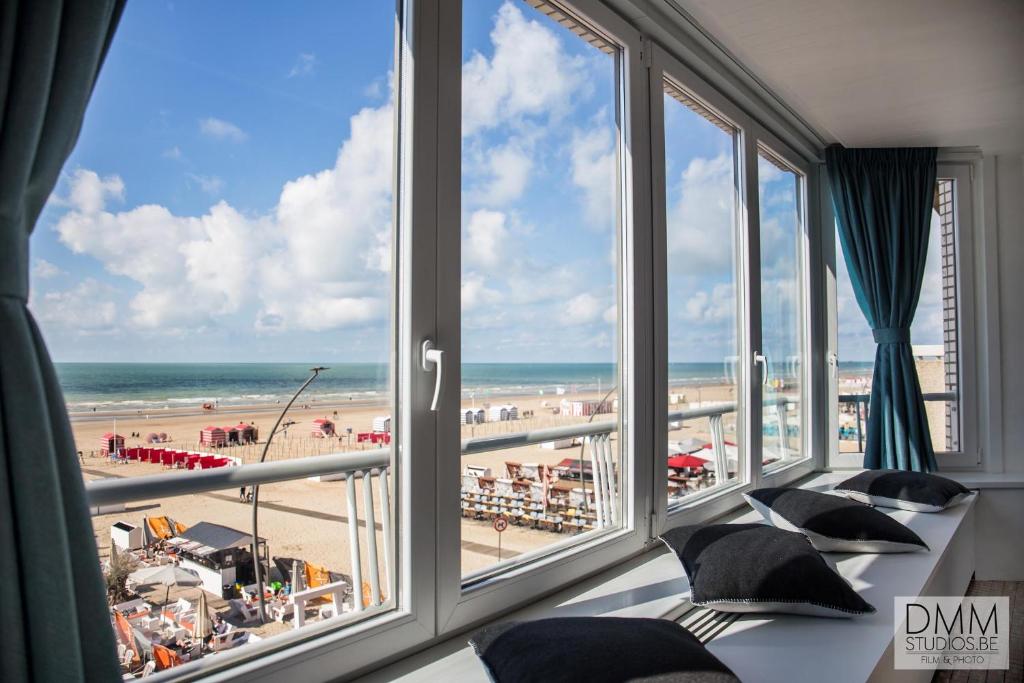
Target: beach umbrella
{"type": "Point", "coordinates": [687, 445]}
{"type": "Point", "coordinates": [298, 577]}
{"type": "Point", "coordinates": [679, 462]}
{"type": "Point", "coordinates": [203, 627]}
{"type": "Point", "coordinates": [167, 575]}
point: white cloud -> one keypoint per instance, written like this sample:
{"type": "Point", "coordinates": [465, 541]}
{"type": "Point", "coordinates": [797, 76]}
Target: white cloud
{"type": "Point", "coordinates": [221, 130]}
{"type": "Point", "coordinates": [594, 171]}
{"type": "Point", "coordinates": [85, 308]}
{"type": "Point", "coordinates": [89, 193]}
{"type": "Point", "coordinates": [583, 309]}
{"type": "Point", "coordinates": [716, 307]}
{"type": "Point", "coordinates": [172, 153]}
{"type": "Point", "coordinates": [43, 269]}
{"type": "Point", "coordinates": [210, 184]}
{"type": "Point", "coordinates": [304, 65]}
{"type": "Point", "coordinates": [528, 75]}
{"type": "Point", "coordinates": [475, 292]}
{"type": "Point", "coordinates": [485, 240]}
{"type": "Point", "coordinates": [313, 263]}
{"type": "Point", "coordinates": [506, 172]}
{"type": "Point", "coordinates": [701, 218]}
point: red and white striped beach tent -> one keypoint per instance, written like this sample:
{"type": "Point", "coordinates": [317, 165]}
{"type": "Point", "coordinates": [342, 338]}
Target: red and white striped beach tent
{"type": "Point", "coordinates": [246, 433]}
{"type": "Point", "coordinates": [213, 436]}
{"type": "Point", "coordinates": [323, 428]}
{"type": "Point", "coordinates": [111, 443]}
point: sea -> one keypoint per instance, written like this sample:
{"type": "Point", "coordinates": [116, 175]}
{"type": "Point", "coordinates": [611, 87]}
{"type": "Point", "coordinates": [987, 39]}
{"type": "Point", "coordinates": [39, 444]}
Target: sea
{"type": "Point", "coordinates": [138, 386]}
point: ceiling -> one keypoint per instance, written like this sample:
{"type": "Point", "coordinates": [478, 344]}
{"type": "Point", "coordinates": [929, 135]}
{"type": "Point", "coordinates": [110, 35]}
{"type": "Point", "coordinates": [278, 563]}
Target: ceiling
{"type": "Point", "coordinates": [876, 73]}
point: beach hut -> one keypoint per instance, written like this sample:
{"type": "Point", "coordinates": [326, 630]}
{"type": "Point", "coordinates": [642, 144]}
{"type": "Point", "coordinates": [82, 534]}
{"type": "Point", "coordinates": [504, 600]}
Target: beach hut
{"type": "Point", "coordinates": [503, 413]}
{"type": "Point", "coordinates": [213, 436]}
{"type": "Point", "coordinates": [323, 428]}
{"type": "Point", "coordinates": [111, 443]}
{"type": "Point", "coordinates": [382, 424]}
{"type": "Point", "coordinates": [246, 433]}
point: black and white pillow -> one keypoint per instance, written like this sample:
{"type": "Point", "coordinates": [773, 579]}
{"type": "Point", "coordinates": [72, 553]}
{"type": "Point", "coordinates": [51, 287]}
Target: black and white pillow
{"type": "Point", "coordinates": [915, 491]}
{"type": "Point", "coordinates": [758, 568]}
{"type": "Point", "coordinates": [833, 523]}
{"type": "Point", "coordinates": [588, 649]}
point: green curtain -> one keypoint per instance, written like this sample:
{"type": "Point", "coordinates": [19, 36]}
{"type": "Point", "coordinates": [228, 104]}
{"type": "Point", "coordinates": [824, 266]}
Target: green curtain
{"type": "Point", "coordinates": [53, 608]}
{"type": "Point", "coordinates": [883, 204]}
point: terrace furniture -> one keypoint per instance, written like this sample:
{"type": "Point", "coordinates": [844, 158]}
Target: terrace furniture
{"type": "Point", "coordinates": [228, 639]}
{"type": "Point", "coordinates": [336, 591]}
{"type": "Point", "coordinates": [246, 612]}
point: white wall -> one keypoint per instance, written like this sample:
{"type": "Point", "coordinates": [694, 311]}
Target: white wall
{"type": "Point", "coordinates": [1009, 208]}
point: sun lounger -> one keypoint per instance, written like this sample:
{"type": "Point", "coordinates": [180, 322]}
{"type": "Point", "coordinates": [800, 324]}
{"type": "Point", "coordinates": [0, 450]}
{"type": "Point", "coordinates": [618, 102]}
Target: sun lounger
{"type": "Point", "coordinates": [228, 640]}
{"type": "Point", "coordinates": [246, 612]}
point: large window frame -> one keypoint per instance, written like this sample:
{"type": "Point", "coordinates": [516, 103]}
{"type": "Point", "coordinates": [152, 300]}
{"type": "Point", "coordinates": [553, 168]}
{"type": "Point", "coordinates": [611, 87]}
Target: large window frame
{"type": "Point", "coordinates": [431, 602]}
{"type": "Point", "coordinates": [751, 136]}
{"type": "Point", "coordinates": [969, 456]}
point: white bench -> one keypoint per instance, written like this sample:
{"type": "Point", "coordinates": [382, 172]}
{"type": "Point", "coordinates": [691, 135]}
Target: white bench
{"type": "Point", "coordinates": [654, 585]}
{"type": "Point", "coordinates": [336, 590]}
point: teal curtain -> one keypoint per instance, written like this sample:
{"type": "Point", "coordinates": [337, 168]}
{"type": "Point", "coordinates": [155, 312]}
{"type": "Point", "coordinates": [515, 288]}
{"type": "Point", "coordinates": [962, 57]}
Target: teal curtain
{"type": "Point", "coordinates": [883, 203]}
{"type": "Point", "coordinates": [53, 608]}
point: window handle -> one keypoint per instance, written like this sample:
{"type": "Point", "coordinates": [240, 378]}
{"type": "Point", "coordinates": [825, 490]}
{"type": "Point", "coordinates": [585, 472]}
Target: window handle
{"type": "Point", "coordinates": [762, 360]}
{"type": "Point", "coordinates": [433, 357]}
{"type": "Point", "coordinates": [833, 363]}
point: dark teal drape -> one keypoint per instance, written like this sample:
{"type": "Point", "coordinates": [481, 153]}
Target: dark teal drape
{"type": "Point", "coordinates": [53, 609]}
{"type": "Point", "coordinates": [883, 203]}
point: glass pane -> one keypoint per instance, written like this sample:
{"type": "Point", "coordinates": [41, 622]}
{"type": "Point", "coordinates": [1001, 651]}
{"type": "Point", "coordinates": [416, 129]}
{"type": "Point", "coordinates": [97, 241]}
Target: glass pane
{"type": "Point", "coordinates": [782, 311]}
{"type": "Point", "coordinates": [933, 335]}
{"type": "Point", "coordinates": [223, 226]}
{"type": "Point", "coordinates": [705, 401]}
{"type": "Point", "coordinates": [540, 255]}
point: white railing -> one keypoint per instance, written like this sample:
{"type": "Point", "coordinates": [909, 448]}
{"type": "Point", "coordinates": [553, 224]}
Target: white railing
{"type": "Point", "coordinates": [375, 465]}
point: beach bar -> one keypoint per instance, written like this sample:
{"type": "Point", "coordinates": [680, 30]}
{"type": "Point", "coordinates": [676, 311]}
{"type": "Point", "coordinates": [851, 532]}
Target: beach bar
{"type": "Point", "coordinates": [220, 555]}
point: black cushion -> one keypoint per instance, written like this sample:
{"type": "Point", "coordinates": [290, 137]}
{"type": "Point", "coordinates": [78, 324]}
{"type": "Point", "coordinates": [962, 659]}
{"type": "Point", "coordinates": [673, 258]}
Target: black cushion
{"type": "Point", "coordinates": [758, 568]}
{"type": "Point", "coordinates": [915, 491]}
{"type": "Point", "coordinates": [591, 649]}
{"type": "Point", "coordinates": [833, 523]}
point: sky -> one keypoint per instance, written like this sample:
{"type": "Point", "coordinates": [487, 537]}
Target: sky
{"type": "Point", "coordinates": [230, 196]}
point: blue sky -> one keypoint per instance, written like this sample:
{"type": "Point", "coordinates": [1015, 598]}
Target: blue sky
{"type": "Point", "coordinates": [230, 195]}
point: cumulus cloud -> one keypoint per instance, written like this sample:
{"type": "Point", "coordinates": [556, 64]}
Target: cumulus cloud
{"type": "Point", "coordinates": [44, 270]}
{"type": "Point", "coordinates": [583, 309]}
{"type": "Point", "coordinates": [304, 65]}
{"type": "Point", "coordinates": [476, 293]}
{"type": "Point", "coordinates": [312, 263]}
{"type": "Point", "coordinates": [222, 130]}
{"type": "Point", "coordinates": [506, 171]}
{"type": "Point", "coordinates": [701, 217]}
{"type": "Point", "coordinates": [594, 171]}
{"type": "Point", "coordinates": [85, 308]}
{"type": "Point", "coordinates": [485, 240]}
{"type": "Point", "coordinates": [529, 74]}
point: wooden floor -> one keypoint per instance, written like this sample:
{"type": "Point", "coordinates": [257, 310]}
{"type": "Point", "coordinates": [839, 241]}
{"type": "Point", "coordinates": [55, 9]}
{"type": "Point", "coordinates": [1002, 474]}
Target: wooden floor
{"type": "Point", "coordinates": [1015, 674]}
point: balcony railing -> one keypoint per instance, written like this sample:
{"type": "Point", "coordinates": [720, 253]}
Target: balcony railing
{"type": "Point", "coordinates": [375, 465]}
{"type": "Point", "coordinates": [861, 402]}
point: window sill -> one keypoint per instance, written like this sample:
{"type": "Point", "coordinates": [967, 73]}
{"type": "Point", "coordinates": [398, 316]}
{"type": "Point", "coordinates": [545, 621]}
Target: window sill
{"type": "Point", "coordinates": [654, 585]}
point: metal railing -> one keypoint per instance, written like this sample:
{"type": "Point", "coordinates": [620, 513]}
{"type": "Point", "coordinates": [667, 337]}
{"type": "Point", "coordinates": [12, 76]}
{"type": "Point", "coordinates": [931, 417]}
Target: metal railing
{"type": "Point", "coordinates": [861, 402]}
{"type": "Point", "coordinates": [375, 464]}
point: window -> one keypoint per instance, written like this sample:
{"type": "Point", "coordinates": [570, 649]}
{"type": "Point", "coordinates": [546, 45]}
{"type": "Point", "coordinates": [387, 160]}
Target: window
{"type": "Point", "coordinates": [595, 239]}
{"type": "Point", "coordinates": [783, 321]}
{"type": "Point", "coordinates": [224, 225]}
{"type": "Point", "coordinates": [704, 319]}
{"type": "Point", "coordinates": [936, 334]}
{"type": "Point", "coordinates": [540, 270]}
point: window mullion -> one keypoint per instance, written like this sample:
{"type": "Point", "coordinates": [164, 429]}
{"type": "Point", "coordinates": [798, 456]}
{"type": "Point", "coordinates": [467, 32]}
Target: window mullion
{"type": "Point", "coordinates": [750, 285]}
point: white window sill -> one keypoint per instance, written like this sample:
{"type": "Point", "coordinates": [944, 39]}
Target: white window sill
{"type": "Point", "coordinates": [654, 585]}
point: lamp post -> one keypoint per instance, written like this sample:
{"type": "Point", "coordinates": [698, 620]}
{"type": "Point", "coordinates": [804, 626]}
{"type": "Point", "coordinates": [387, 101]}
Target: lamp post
{"type": "Point", "coordinates": [256, 494]}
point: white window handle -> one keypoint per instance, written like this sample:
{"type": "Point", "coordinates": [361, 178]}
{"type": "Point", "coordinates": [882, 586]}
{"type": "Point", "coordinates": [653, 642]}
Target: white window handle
{"type": "Point", "coordinates": [762, 360]}
{"type": "Point", "coordinates": [432, 356]}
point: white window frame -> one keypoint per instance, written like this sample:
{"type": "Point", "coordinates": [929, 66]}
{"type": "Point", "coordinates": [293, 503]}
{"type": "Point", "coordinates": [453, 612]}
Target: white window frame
{"type": "Point", "coordinates": [430, 600]}
{"type": "Point", "coordinates": [459, 605]}
{"type": "Point", "coordinates": [969, 457]}
{"type": "Point", "coordinates": [751, 135]}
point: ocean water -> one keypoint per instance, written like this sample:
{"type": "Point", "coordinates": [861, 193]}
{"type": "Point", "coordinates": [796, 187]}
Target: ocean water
{"type": "Point", "coordinates": [111, 386]}
{"type": "Point", "coordinates": [126, 386]}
